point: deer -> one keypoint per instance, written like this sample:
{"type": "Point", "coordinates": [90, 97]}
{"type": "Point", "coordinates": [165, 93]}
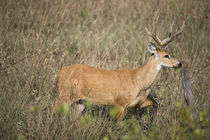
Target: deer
{"type": "Point", "coordinates": [123, 88]}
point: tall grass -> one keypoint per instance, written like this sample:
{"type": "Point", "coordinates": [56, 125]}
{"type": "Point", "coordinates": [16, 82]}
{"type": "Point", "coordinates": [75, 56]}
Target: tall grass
{"type": "Point", "coordinates": [38, 38]}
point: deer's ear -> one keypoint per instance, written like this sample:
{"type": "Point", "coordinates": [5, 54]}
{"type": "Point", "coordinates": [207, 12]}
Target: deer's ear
{"type": "Point", "coordinates": [151, 48]}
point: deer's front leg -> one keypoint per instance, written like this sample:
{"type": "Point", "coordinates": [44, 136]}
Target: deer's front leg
{"type": "Point", "coordinates": [150, 102]}
{"type": "Point", "coordinates": [140, 99]}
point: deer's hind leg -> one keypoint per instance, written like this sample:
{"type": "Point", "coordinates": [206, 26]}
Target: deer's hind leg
{"type": "Point", "coordinates": [68, 93]}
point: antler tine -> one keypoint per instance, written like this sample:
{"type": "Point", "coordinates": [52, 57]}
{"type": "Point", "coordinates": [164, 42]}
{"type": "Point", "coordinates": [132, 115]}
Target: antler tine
{"type": "Point", "coordinates": [171, 37]}
{"type": "Point", "coordinates": [171, 29]}
{"type": "Point", "coordinates": [152, 34]}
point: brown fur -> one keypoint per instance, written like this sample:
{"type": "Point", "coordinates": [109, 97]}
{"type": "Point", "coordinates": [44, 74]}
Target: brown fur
{"type": "Point", "coordinates": [122, 88]}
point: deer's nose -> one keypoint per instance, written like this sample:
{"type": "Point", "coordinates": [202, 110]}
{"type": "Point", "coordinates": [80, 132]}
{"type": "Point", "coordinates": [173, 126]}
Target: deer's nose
{"type": "Point", "coordinates": [179, 65]}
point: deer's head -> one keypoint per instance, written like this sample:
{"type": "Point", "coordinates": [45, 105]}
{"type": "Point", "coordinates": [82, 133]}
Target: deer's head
{"type": "Point", "coordinates": [160, 54]}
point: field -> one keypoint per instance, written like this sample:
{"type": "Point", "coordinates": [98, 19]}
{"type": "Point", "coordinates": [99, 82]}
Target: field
{"type": "Point", "coordinates": [38, 38]}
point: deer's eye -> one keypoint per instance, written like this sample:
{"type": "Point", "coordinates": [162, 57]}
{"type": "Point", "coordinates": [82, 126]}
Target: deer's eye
{"type": "Point", "coordinates": [166, 56]}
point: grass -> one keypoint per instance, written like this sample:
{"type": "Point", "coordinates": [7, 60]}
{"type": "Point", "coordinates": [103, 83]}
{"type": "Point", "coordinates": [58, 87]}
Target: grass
{"type": "Point", "coordinates": [38, 38]}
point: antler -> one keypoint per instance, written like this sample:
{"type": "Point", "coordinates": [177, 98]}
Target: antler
{"type": "Point", "coordinates": [171, 37]}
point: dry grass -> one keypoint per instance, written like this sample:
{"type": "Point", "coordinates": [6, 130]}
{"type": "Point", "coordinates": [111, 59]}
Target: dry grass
{"type": "Point", "coordinates": [37, 38]}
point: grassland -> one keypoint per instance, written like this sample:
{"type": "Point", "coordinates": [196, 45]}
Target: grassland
{"type": "Point", "coordinates": [38, 38]}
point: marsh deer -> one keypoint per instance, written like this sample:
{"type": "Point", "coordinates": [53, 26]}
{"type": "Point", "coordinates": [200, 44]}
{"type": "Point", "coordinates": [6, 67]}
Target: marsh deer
{"type": "Point", "coordinates": [122, 88]}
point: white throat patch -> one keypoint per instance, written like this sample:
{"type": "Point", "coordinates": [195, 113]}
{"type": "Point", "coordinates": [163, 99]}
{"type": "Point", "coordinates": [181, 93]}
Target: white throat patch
{"type": "Point", "coordinates": [158, 67]}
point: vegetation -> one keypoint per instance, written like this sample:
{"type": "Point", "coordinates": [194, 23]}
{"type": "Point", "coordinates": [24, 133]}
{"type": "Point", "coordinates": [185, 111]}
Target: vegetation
{"type": "Point", "coordinates": [38, 38]}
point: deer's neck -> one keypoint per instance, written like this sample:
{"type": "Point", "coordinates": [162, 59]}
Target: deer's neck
{"type": "Point", "coordinates": [146, 74]}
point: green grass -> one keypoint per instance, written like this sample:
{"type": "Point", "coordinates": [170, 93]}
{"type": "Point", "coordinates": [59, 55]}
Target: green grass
{"type": "Point", "coordinates": [38, 38]}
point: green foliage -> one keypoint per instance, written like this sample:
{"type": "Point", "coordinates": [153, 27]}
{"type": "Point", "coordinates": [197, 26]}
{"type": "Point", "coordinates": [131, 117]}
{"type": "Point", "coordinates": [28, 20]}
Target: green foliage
{"type": "Point", "coordinates": [83, 13]}
{"type": "Point", "coordinates": [134, 130]}
{"type": "Point", "coordinates": [21, 137]}
{"type": "Point", "coordinates": [63, 108]}
{"type": "Point", "coordinates": [188, 128]}
{"type": "Point", "coordinates": [34, 109]}
{"type": "Point", "coordinates": [105, 138]}
{"type": "Point", "coordinates": [85, 120]}
{"type": "Point", "coordinates": [113, 112]}
{"type": "Point", "coordinates": [88, 104]}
